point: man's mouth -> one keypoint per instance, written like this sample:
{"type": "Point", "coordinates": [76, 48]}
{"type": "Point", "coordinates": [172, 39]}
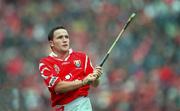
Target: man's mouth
{"type": "Point", "coordinates": [65, 45]}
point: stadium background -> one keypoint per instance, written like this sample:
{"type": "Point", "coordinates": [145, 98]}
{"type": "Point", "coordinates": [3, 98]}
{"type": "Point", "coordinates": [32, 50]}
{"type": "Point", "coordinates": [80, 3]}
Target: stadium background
{"type": "Point", "coordinates": [141, 74]}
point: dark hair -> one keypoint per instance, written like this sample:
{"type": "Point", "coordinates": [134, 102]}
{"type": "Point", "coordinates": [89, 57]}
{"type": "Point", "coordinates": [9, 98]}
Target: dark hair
{"type": "Point", "coordinates": [51, 33]}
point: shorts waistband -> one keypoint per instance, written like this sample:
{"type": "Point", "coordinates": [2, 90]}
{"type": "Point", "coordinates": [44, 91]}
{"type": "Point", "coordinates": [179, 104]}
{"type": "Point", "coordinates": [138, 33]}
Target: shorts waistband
{"type": "Point", "coordinates": [76, 101]}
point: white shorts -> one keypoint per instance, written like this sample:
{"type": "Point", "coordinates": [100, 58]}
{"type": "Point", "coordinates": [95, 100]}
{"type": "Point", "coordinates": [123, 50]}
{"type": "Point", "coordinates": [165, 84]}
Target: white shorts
{"type": "Point", "coordinates": [79, 104]}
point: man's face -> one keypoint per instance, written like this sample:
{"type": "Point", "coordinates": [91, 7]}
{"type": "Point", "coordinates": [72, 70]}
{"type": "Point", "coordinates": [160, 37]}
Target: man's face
{"type": "Point", "coordinates": [60, 42]}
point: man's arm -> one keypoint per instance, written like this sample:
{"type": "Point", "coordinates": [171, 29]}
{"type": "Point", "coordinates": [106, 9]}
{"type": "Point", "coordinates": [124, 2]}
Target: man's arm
{"type": "Point", "coordinates": [93, 79]}
{"type": "Point", "coordinates": [65, 86]}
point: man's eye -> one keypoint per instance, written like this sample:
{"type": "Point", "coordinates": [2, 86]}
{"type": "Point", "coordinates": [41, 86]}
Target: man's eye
{"type": "Point", "coordinates": [66, 36]}
{"type": "Point", "coordinates": [60, 37]}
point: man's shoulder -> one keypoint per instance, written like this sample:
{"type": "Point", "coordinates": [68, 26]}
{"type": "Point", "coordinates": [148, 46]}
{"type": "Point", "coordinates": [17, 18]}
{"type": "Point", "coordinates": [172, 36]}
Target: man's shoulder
{"type": "Point", "coordinates": [46, 58]}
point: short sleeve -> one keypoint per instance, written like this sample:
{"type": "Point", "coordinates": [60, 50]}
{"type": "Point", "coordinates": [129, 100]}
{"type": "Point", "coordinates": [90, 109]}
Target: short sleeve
{"type": "Point", "coordinates": [49, 75]}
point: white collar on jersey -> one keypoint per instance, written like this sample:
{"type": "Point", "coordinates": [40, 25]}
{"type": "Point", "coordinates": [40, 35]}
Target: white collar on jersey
{"type": "Point", "coordinates": [52, 54]}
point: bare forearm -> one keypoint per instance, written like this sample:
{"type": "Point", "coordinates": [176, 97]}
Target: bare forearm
{"type": "Point", "coordinates": [65, 86]}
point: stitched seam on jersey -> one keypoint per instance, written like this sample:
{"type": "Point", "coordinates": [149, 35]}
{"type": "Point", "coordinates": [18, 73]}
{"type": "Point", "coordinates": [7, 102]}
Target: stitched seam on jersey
{"type": "Point", "coordinates": [85, 66]}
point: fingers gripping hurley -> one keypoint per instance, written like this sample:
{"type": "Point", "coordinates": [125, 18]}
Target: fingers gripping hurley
{"type": "Point", "coordinates": [114, 43]}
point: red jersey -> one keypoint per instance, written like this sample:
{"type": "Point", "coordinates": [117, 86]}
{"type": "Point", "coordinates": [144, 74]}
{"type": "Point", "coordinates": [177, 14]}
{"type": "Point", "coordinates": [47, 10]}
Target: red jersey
{"type": "Point", "coordinates": [75, 67]}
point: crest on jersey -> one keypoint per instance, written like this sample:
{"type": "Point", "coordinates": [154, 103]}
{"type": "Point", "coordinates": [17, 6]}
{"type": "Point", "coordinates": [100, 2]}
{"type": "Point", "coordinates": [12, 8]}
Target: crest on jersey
{"type": "Point", "coordinates": [56, 68]}
{"type": "Point", "coordinates": [77, 63]}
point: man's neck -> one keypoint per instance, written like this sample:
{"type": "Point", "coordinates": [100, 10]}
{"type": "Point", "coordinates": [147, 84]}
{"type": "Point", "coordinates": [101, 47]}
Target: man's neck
{"type": "Point", "coordinates": [62, 55]}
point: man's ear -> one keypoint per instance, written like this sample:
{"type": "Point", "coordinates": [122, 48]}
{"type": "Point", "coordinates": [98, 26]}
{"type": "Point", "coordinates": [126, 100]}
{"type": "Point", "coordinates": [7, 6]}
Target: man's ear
{"type": "Point", "coordinates": [51, 43]}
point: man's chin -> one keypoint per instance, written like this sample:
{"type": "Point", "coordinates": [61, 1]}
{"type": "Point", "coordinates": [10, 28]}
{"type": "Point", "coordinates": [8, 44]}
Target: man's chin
{"type": "Point", "coordinates": [65, 49]}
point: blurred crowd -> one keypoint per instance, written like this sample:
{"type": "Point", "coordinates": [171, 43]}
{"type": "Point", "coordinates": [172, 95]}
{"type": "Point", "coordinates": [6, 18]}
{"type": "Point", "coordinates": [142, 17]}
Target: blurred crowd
{"type": "Point", "coordinates": [141, 74]}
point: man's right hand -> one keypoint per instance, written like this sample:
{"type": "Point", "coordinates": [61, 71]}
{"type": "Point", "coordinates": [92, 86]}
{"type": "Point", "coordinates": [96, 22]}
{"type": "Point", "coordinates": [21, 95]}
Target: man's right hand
{"type": "Point", "coordinates": [88, 79]}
